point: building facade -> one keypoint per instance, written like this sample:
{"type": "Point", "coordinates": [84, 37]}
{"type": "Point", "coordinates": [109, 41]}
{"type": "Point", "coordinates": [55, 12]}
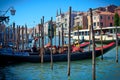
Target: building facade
{"type": "Point", "coordinates": [46, 24]}
{"type": "Point", "coordinates": [101, 19]}
{"type": "Point", "coordinates": [63, 20]}
{"type": "Point", "coordinates": [111, 8]}
{"type": "Point", "coordinates": [81, 20]}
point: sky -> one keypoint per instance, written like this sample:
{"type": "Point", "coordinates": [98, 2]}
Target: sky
{"type": "Point", "coordinates": [30, 12]}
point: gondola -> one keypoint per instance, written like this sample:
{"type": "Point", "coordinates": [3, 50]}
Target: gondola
{"type": "Point", "coordinates": [82, 45]}
{"type": "Point", "coordinates": [26, 57]}
{"type": "Point", "coordinates": [104, 41]}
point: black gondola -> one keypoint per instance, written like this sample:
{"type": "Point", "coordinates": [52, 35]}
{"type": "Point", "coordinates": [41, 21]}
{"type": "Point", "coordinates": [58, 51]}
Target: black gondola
{"type": "Point", "coordinates": [19, 57]}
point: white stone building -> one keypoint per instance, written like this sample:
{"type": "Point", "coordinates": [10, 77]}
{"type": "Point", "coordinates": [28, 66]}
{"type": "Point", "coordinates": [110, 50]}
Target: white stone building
{"type": "Point", "coordinates": [63, 19]}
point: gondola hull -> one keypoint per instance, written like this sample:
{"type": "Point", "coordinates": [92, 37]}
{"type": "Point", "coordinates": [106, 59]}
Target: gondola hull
{"type": "Point", "coordinates": [56, 57]}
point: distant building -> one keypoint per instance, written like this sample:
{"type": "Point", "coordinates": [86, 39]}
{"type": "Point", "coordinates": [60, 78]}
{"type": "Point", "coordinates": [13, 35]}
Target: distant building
{"type": "Point", "coordinates": [109, 8]}
{"type": "Point", "coordinates": [101, 19]}
{"type": "Point", "coordinates": [36, 29]}
{"type": "Point", "coordinates": [81, 20]}
{"type": "Point", "coordinates": [63, 19]}
{"type": "Point", "coordinates": [30, 33]}
{"type": "Point", "coordinates": [46, 24]}
{"type": "Point", "coordinates": [100, 9]}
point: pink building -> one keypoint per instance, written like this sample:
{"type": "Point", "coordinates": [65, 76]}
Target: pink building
{"type": "Point", "coordinates": [103, 19]}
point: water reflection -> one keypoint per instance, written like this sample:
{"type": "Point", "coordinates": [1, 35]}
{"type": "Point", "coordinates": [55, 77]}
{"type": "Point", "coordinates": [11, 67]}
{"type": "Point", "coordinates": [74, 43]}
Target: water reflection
{"type": "Point", "coordinates": [107, 69]}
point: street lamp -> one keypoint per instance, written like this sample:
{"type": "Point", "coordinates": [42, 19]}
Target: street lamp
{"type": "Point", "coordinates": [6, 18]}
{"type": "Point", "coordinates": [12, 11]}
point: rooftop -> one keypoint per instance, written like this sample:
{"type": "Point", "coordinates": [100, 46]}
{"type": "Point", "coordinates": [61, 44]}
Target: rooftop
{"type": "Point", "coordinates": [118, 8]}
{"type": "Point", "coordinates": [106, 13]}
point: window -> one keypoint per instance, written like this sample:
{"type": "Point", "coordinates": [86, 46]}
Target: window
{"type": "Point", "coordinates": [108, 17]}
{"type": "Point", "coordinates": [85, 32]}
{"type": "Point", "coordinates": [101, 17]}
{"type": "Point", "coordinates": [65, 25]}
{"type": "Point", "coordinates": [65, 28]}
{"type": "Point", "coordinates": [82, 33]}
{"type": "Point", "coordinates": [94, 18]}
{"type": "Point", "coordinates": [75, 33]}
{"type": "Point", "coordinates": [101, 23]}
{"type": "Point", "coordinates": [65, 20]}
{"type": "Point", "coordinates": [94, 24]}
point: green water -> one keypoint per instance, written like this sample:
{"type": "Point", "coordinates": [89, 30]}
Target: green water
{"type": "Point", "coordinates": [107, 69]}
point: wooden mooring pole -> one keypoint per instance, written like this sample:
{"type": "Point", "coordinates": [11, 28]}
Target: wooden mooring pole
{"type": "Point", "coordinates": [26, 40]}
{"type": "Point", "coordinates": [51, 44]}
{"type": "Point", "coordinates": [39, 34]}
{"type": "Point", "coordinates": [59, 37]}
{"type": "Point", "coordinates": [89, 38]}
{"type": "Point", "coordinates": [43, 31]}
{"type": "Point", "coordinates": [17, 38]}
{"type": "Point", "coordinates": [78, 35]}
{"type": "Point", "coordinates": [22, 38]}
{"type": "Point", "coordinates": [93, 52]}
{"type": "Point", "coordinates": [62, 38]}
{"type": "Point", "coordinates": [8, 35]}
{"type": "Point", "coordinates": [55, 36]}
{"type": "Point", "coordinates": [4, 35]}
{"type": "Point", "coordinates": [101, 43]}
{"type": "Point", "coordinates": [116, 24]}
{"type": "Point", "coordinates": [69, 41]}
{"type": "Point", "coordinates": [35, 32]}
{"type": "Point", "coordinates": [42, 36]}
{"type": "Point", "coordinates": [13, 36]}
{"type": "Point", "coordinates": [51, 56]}
{"type": "Point", "coordinates": [116, 46]}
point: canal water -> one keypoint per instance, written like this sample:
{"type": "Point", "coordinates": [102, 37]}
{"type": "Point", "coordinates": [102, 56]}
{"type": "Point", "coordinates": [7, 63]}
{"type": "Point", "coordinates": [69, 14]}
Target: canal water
{"type": "Point", "coordinates": [107, 69]}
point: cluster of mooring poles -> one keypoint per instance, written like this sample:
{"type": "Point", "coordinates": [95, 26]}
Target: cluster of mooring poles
{"type": "Point", "coordinates": [93, 43]}
{"type": "Point", "coordinates": [17, 35]}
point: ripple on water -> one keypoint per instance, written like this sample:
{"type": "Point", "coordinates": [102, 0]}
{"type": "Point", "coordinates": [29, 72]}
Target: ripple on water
{"type": "Point", "coordinates": [105, 70]}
